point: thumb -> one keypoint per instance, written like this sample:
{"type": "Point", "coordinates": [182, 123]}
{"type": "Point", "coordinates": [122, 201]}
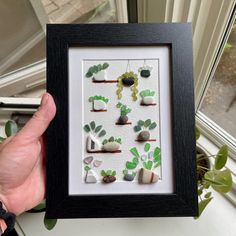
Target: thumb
{"type": "Point", "coordinates": [37, 125]}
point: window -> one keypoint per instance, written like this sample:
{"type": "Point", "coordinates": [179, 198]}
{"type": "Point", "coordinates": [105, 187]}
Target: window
{"type": "Point", "coordinates": [219, 103]}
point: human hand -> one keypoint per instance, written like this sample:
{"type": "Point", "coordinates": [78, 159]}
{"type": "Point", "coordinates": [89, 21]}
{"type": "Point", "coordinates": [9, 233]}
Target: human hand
{"type": "Point", "coordinates": [22, 162]}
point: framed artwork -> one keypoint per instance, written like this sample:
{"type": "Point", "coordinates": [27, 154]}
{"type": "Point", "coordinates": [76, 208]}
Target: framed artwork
{"type": "Point", "coordinates": [122, 143]}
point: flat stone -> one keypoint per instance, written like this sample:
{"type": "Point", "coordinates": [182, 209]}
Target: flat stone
{"type": "Point", "coordinates": [148, 100]}
{"type": "Point", "coordinates": [90, 177]}
{"type": "Point", "coordinates": [99, 105]}
{"type": "Point", "coordinates": [129, 177]}
{"type": "Point", "coordinates": [144, 135]}
{"type": "Point", "coordinates": [147, 176]}
{"type": "Point", "coordinates": [111, 146]}
{"type": "Point", "coordinates": [109, 179]}
{"type": "Point", "coordinates": [128, 81]}
{"type": "Point", "coordinates": [88, 160]}
{"type": "Point", "coordinates": [97, 163]}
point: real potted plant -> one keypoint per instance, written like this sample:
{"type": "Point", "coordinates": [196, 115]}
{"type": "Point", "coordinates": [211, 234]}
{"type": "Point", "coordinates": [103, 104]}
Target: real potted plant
{"type": "Point", "coordinates": [124, 110]}
{"type": "Point", "coordinates": [99, 102]}
{"type": "Point", "coordinates": [111, 144]}
{"type": "Point", "coordinates": [211, 174]}
{"type": "Point", "coordinates": [147, 97]}
{"type": "Point", "coordinates": [143, 127]}
{"type": "Point", "coordinates": [99, 72]}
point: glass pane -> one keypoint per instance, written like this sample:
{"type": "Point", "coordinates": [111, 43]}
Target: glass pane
{"type": "Point", "coordinates": [219, 103]}
{"type": "Point", "coordinates": [22, 38]}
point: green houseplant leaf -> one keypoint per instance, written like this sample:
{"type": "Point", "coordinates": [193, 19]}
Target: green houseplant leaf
{"type": "Point", "coordinates": [11, 128]}
{"type": "Point", "coordinates": [221, 181]}
{"type": "Point", "coordinates": [49, 223]}
{"type": "Point", "coordinates": [202, 205]}
{"type": "Point", "coordinates": [197, 133]}
{"type": "Point", "coordinates": [221, 157]}
{"type": "Point", "coordinates": [40, 206]}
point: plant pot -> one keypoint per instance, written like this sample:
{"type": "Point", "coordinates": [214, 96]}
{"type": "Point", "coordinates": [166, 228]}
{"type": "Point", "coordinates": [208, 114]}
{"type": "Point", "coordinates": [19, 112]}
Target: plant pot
{"type": "Point", "coordinates": [93, 144]}
{"type": "Point", "coordinates": [123, 119]}
{"type": "Point", "coordinates": [148, 100]}
{"type": "Point", "coordinates": [144, 136]}
{"type": "Point", "coordinates": [203, 162]}
{"type": "Point", "coordinates": [147, 176]}
{"type": "Point", "coordinates": [100, 76]}
{"type": "Point", "coordinates": [99, 105]}
{"type": "Point", "coordinates": [127, 82]}
{"type": "Point", "coordinates": [145, 73]}
{"type": "Point", "coordinates": [90, 177]}
{"type": "Point", "coordinates": [109, 179]}
{"type": "Point", "coordinates": [111, 146]}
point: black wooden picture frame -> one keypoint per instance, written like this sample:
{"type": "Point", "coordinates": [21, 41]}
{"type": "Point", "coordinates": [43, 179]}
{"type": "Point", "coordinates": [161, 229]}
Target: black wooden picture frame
{"type": "Point", "coordinates": [183, 202]}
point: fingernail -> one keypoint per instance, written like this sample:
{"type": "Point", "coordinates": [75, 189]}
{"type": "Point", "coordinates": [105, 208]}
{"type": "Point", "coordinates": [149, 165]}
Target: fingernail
{"type": "Point", "coordinates": [44, 99]}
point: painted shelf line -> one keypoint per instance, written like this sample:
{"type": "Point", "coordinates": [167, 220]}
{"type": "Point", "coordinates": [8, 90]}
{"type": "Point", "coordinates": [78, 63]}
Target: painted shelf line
{"type": "Point", "coordinates": [153, 104]}
{"type": "Point", "coordinates": [149, 140]}
{"type": "Point", "coordinates": [103, 151]}
{"type": "Point", "coordinates": [127, 123]}
{"type": "Point", "coordinates": [98, 110]}
{"type": "Point", "coordinates": [105, 81]}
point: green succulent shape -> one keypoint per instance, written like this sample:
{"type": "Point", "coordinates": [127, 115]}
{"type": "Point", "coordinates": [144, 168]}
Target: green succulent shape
{"type": "Point", "coordinates": [96, 68]}
{"type": "Point", "coordinates": [98, 97]}
{"type": "Point", "coordinates": [147, 93]}
{"type": "Point", "coordinates": [147, 124]}
{"type": "Point", "coordinates": [124, 110]}
{"type": "Point", "coordinates": [92, 128]}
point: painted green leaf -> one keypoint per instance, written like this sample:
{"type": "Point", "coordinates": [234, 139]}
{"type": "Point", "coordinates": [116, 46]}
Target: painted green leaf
{"type": "Point", "coordinates": [130, 165]}
{"type": "Point", "coordinates": [221, 157]}
{"type": "Point", "coordinates": [49, 223]}
{"type": "Point", "coordinates": [135, 160]}
{"type": "Point", "coordinates": [109, 172]}
{"type": "Point", "coordinates": [102, 133]}
{"type": "Point", "coordinates": [87, 128]}
{"type": "Point", "coordinates": [153, 126]}
{"type": "Point", "coordinates": [99, 67]}
{"type": "Point", "coordinates": [118, 140]}
{"type": "Point", "coordinates": [147, 147]}
{"type": "Point", "coordinates": [40, 206]}
{"type": "Point", "coordinates": [98, 128]}
{"type": "Point", "coordinates": [137, 128]}
{"type": "Point", "coordinates": [89, 74]}
{"type": "Point", "coordinates": [207, 195]}
{"type": "Point", "coordinates": [140, 123]}
{"type": "Point", "coordinates": [221, 181]}
{"type": "Point", "coordinates": [202, 205]}
{"type": "Point", "coordinates": [11, 128]}
{"type": "Point", "coordinates": [87, 168]}
{"type": "Point", "coordinates": [103, 173]}
{"type": "Point", "coordinates": [113, 173]}
{"type": "Point", "coordinates": [92, 125]}
{"type": "Point", "coordinates": [134, 151]}
{"type": "Point", "coordinates": [147, 123]}
{"type": "Point", "coordinates": [125, 171]}
{"type": "Point", "coordinates": [1, 139]}
{"type": "Point", "coordinates": [197, 133]}
{"type": "Point", "coordinates": [105, 65]}
{"type": "Point", "coordinates": [148, 165]}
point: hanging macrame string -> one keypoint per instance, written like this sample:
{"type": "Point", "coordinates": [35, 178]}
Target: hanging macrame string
{"type": "Point", "coordinates": [128, 66]}
{"type": "Point", "coordinates": [144, 63]}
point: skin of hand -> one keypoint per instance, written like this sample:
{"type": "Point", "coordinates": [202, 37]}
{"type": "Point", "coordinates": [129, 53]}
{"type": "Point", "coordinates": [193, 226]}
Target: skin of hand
{"type": "Point", "coordinates": [22, 161]}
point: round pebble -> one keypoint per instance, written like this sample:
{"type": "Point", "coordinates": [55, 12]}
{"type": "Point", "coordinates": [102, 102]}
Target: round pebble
{"type": "Point", "coordinates": [123, 119]}
{"type": "Point", "coordinates": [129, 177]}
{"type": "Point", "coordinates": [145, 73]}
{"type": "Point", "coordinates": [109, 179]}
{"type": "Point", "coordinates": [144, 136]}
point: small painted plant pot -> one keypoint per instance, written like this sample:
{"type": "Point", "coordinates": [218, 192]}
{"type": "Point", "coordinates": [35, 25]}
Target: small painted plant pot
{"type": "Point", "coordinates": [90, 177]}
{"type": "Point", "coordinates": [129, 177]}
{"type": "Point", "coordinates": [93, 144]}
{"type": "Point", "coordinates": [100, 76]}
{"type": "Point", "coordinates": [147, 176]}
{"type": "Point", "coordinates": [144, 136]}
{"type": "Point", "coordinates": [148, 100]}
{"type": "Point", "coordinates": [99, 105]}
{"type": "Point", "coordinates": [123, 120]}
{"type": "Point", "coordinates": [111, 146]}
{"type": "Point", "coordinates": [109, 179]}
{"type": "Point", "coordinates": [128, 81]}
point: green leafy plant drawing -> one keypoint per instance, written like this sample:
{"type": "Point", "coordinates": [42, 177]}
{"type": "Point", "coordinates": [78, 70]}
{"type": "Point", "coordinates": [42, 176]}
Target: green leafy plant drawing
{"type": "Point", "coordinates": [151, 161]}
{"type": "Point", "coordinates": [98, 98]}
{"type": "Point", "coordinates": [145, 125]}
{"type": "Point", "coordinates": [97, 131]}
{"type": "Point", "coordinates": [147, 93]}
{"type": "Point", "coordinates": [214, 176]}
{"type": "Point", "coordinates": [124, 110]}
{"type": "Point", "coordinates": [112, 139]}
{"type": "Point", "coordinates": [105, 173]}
{"type": "Point", "coordinates": [96, 68]}
{"type": "Point", "coordinates": [134, 87]}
